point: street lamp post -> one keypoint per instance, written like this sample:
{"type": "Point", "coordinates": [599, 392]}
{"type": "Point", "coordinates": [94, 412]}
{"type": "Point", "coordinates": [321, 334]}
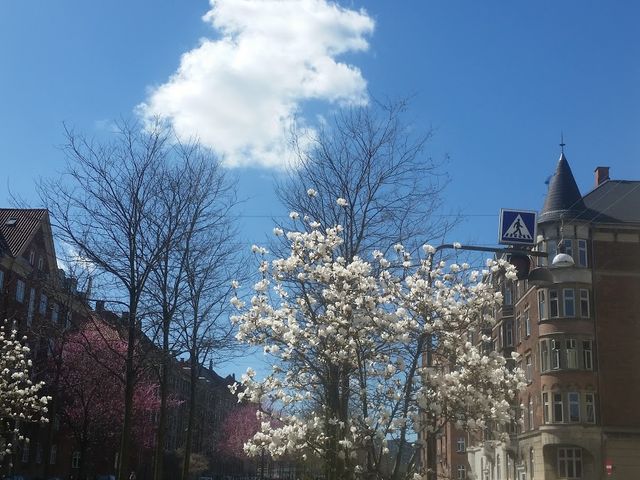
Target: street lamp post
{"type": "Point", "coordinates": [538, 275]}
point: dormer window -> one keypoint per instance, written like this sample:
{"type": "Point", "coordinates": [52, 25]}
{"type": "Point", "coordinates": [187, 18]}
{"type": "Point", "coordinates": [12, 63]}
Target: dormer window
{"type": "Point", "coordinates": [11, 222]}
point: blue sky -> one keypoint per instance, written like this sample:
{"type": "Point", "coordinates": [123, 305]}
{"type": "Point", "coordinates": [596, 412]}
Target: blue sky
{"type": "Point", "coordinates": [497, 81]}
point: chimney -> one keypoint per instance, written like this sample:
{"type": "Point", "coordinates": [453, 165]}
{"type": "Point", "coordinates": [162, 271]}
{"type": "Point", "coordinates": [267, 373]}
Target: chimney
{"type": "Point", "coordinates": [602, 175]}
{"type": "Point", "coordinates": [99, 306]}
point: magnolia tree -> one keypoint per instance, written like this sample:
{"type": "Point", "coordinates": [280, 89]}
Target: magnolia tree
{"type": "Point", "coordinates": [20, 400]}
{"type": "Point", "coordinates": [370, 353]}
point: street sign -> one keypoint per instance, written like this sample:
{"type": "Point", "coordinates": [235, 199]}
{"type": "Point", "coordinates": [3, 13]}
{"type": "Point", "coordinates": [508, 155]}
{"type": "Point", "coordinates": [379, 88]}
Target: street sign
{"type": "Point", "coordinates": [517, 227]}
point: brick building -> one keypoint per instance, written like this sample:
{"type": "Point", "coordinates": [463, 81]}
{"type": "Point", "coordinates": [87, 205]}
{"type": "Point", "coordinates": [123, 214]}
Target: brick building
{"type": "Point", "coordinates": [578, 337]}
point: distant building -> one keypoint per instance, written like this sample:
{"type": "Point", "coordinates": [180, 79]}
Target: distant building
{"type": "Point", "coordinates": [579, 343]}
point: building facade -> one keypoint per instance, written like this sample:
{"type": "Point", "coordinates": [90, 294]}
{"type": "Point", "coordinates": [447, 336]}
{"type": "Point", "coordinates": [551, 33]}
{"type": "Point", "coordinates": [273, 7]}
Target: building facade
{"type": "Point", "coordinates": [578, 340]}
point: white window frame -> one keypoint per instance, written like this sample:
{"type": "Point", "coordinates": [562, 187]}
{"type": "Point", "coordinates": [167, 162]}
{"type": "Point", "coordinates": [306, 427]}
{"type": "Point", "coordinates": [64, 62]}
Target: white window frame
{"type": "Point", "coordinates": [542, 304]}
{"type": "Point", "coordinates": [527, 323]}
{"type": "Point", "coordinates": [508, 333]}
{"type": "Point", "coordinates": [554, 303]}
{"type": "Point", "coordinates": [573, 401]}
{"type": "Point", "coordinates": [508, 293]}
{"type": "Point", "coordinates": [590, 407]}
{"type": "Point", "coordinates": [462, 472]}
{"type": "Point", "coordinates": [571, 345]}
{"type": "Point", "coordinates": [587, 354]}
{"type": "Point", "coordinates": [569, 297]}
{"type": "Point", "coordinates": [585, 307]}
{"type": "Point", "coordinates": [546, 408]}
{"type": "Point", "coordinates": [583, 260]}
{"type": "Point", "coordinates": [555, 349]}
{"type": "Point", "coordinates": [544, 356]}
{"type": "Point", "coordinates": [557, 401]}
{"type": "Point", "coordinates": [518, 329]}
{"type": "Point", "coordinates": [461, 446]}
{"type": "Point", "coordinates": [528, 372]}
{"type": "Point", "coordinates": [569, 463]}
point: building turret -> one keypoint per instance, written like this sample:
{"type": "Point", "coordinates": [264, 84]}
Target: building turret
{"type": "Point", "coordinates": [563, 197]}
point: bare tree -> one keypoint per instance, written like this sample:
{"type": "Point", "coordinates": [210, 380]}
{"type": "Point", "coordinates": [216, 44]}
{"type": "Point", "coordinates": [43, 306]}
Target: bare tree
{"type": "Point", "coordinates": [106, 207]}
{"type": "Point", "coordinates": [374, 160]}
{"type": "Point", "coordinates": [212, 261]}
{"type": "Point", "coordinates": [198, 199]}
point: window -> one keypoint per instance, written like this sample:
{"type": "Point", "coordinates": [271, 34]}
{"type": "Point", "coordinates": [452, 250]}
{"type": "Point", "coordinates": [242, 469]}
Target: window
{"type": "Point", "coordinates": [32, 257]}
{"type": "Point", "coordinates": [557, 408]}
{"type": "Point", "coordinates": [569, 463]}
{"type": "Point", "coordinates": [498, 468]}
{"type": "Point", "coordinates": [32, 306]}
{"type": "Point", "coordinates": [545, 407]}
{"type": "Point", "coordinates": [75, 460]}
{"type": "Point", "coordinates": [587, 355]}
{"type": "Point", "coordinates": [553, 303]}
{"type": "Point", "coordinates": [552, 250]}
{"type": "Point", "coordinates": [590, 407]}
{"type": "Point", "coordinates": [20, 291]}
{"type": "Point", "coordinates": [508, 297]}
{"type": "Point", "coordinates": [67, 321]}
{"type": "Point", "coordinates": [542, 307]}
{"type": "Point", "coordinates": [508, 333]}
{"type": "Point", "coordinates": [53, 455]}
{"type": "Point", "coordinates": [527, 323]}
{"type": "Point", "coordinates": [25, 452]}
{"type": "Point", "coordinates": [555, 354]}
{"type": "Point", "coordinates": [40, 263]}
{"type": "Point", "coordinates": [582, 253]}
{"type": "Point", "coordinates": [572, 353]}
{"type": "Point", "coordinates": [544, 356]}
{"type": "Point", "coordinates": [568, 247]}
{"type": "Point", "coordinates": [528, 371]}
{"type": "Point", "coordinates": [530, 412]}
{"type": "Point", "coordinates": [584, 303]}
{"type": "Point", "coordinates": [55, 313]}
{"type": "Point", "coordinates": [460, 446]}
{"type": "Point", "coordinates": [1, 278]}
{"type": "Point", "coordinates": [518, 329]}
{"type": "Point", "coordinates": [569, 303]}
{"type": "Point", "coordinates": [43, 304]}
{"type": "Point", "coordinates": [574, 406]}
{"type": "Point", "coordinates": [38, 453]}
{"type": "Point", "coordinates": [462, 472]}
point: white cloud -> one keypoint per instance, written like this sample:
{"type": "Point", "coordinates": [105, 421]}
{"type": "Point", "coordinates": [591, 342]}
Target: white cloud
{"type": "Point", "coordinates": [241, 93]}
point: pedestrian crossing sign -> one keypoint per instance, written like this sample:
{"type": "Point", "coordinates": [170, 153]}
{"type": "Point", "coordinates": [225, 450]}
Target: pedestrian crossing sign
{"type": "Point", "coordinates": [517, 227]}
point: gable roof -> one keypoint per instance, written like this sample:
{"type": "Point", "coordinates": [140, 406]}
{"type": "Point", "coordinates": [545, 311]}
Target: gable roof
{"type": "Point", "coordinates": [614, 201]}
{"type": "Point", "coordinates": [18, 227]}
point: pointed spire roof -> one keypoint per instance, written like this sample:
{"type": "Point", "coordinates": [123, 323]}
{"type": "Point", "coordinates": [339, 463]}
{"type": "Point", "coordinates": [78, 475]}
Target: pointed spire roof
{"type": "Point", "coordinates": [563, 196]}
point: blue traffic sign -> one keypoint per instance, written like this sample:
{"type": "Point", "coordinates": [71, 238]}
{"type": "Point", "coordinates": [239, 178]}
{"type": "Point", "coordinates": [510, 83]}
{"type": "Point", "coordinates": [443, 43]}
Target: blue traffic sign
{"type": "Point", "coordinates": [517, 227]}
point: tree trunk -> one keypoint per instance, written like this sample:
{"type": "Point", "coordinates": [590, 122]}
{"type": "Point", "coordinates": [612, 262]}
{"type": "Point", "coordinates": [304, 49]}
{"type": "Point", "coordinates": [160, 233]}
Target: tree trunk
{"type": "Point", "coordinates": [125, 442]}
{"type": "Point", "coordinates": [164, 393]}
{"type": "Point", "coordinates": [191, 418]}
